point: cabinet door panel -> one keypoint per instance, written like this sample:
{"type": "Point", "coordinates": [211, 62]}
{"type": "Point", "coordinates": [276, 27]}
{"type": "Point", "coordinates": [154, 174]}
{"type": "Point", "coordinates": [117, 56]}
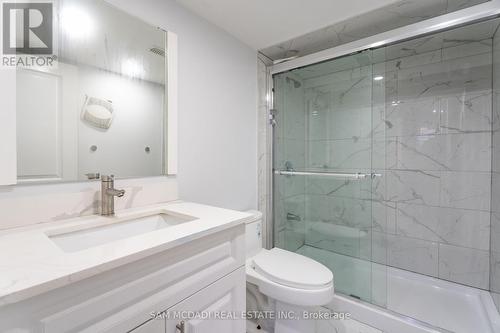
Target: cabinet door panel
{"type": "Point", "coordinates": [152, 326]}
{"type": "Point", "coordinates": [125, 298]}
{"type": "Point", "coordinates": [225, 297]}
{"type": "Point", "coordinates": [47, 141]}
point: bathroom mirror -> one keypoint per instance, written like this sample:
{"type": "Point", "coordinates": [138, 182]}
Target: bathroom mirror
{"type": "Point", "coordinates": [102, 106]}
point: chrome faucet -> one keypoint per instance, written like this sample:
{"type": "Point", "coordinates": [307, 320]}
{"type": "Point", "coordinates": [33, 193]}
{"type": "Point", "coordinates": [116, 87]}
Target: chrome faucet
{"type": "Point", "coordinates": [108, 194]}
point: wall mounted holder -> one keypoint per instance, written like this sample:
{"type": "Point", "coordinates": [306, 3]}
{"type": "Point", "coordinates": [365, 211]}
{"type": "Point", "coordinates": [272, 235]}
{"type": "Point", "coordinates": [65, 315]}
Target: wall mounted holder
{"type": "Point", "coordinates": [97, 112]}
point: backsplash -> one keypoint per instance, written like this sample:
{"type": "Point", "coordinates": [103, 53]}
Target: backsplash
{"type": "Point", "coordinates": [25, 205]}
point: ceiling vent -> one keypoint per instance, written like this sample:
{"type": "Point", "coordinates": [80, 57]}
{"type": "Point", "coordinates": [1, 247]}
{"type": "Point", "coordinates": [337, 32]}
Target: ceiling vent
{"type": "Point", "coordinates": [158, 51]}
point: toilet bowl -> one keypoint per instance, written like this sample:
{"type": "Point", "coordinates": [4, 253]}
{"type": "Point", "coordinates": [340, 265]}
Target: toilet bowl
{"type": "Point", "coordinates": [296, 283]}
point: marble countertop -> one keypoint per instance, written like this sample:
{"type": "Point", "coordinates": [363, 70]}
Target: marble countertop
{"type": "Point", "coordinates": [31, 263]}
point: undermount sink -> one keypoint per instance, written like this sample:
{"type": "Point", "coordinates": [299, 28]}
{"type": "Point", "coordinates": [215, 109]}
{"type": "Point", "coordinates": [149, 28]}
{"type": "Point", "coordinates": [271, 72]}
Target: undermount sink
{"type": "Point", "coordinates": [128, 227]}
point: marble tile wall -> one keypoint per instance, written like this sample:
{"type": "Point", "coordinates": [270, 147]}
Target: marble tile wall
{"type": "Point", "coordinates": [338, 126]}
{"type": "Point", "coordinates": [427, 127]}
{"type": "Point", "coordinates": [289, 136]}
{"type": "Point", "coordinates": [431, 122]}
{"type": "Point", "coordinates": [434, 150]}
{"type": "Point", "coordinates": [393, 16]}
{"type": "Point", "coordinates": [495, 196]}
{"type": "Point", "coordinates": [264, 138]}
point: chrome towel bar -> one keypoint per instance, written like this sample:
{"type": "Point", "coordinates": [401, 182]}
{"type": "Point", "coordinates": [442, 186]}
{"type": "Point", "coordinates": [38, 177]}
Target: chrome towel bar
{"type": "Point", "coordinates": [327, 174]}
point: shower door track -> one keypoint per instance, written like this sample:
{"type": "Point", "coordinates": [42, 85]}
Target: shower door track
{"type": "Point", "coordinates": [484, 11]}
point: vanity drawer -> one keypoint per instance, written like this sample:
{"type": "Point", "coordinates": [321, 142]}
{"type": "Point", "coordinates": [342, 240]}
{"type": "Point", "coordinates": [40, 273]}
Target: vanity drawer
{"type": "Point", "coordinates": [227, 296]}
{"type": "Point", "coordinates": [125, 297]}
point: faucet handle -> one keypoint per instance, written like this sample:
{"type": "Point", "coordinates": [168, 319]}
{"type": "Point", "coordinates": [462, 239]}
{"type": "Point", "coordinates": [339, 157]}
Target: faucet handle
{"type": "Point", "coordinates": [106, 178]}
{"type": "Point", "coordinates": [92, 176]}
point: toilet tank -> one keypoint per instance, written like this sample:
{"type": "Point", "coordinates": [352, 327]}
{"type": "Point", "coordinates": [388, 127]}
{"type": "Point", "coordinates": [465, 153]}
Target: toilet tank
{"type": "Point", "coordinates": [253, 233]}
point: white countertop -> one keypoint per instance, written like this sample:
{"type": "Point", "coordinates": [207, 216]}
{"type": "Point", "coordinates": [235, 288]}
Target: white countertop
{"type": "Point", "coordinates": [31, 263]}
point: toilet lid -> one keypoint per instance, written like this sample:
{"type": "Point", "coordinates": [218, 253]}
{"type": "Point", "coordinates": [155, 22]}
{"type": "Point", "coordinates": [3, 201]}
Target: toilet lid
{"type": "Point", "coordinates": [292, 269]}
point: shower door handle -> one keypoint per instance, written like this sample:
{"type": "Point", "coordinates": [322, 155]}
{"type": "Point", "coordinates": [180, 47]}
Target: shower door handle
{"type": "Point", "coordinates": [327, 174]}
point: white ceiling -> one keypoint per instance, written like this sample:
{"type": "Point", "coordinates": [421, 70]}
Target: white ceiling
{"type": "Point", "coordinates": [263, 23]}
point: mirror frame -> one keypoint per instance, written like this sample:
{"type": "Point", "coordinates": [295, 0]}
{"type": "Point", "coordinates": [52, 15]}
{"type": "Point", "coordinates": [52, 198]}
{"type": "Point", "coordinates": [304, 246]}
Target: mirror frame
{"type": "Point", "coordinates": [172, 105]}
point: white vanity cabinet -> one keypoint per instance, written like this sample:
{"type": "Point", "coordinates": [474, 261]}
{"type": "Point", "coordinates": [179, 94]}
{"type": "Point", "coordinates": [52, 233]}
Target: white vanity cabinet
{"type": "Point", "coordinates": [201, 274]}
{"type": "Point", "coordinates": [151, 326]}
{"type": "Point", "coordinates": [223, 300]}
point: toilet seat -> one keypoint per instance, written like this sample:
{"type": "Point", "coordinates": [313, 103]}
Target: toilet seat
{"type": "Point", "coordinates": [290, 277]}
{"type": "Point", "coordinates": [292, 269]}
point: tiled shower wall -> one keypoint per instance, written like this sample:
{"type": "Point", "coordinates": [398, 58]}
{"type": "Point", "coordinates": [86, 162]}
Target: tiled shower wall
{"type": "Point", "coordinates": [338, 117]}
{"type": "Point", "coordinates": [436, 141]}
{"type": "Point", "coordinates": [431, 128]}
{"type": "Point", "coordinates": [495, 196]}
{"type": "Point", "coordinates": [426, 127]}
{"type": "Point", "coordinates": [289, 146]}
{"type": "Point", "coordinates": [392, 16]}
{"type": "Point", "coordinates": [263, 139]}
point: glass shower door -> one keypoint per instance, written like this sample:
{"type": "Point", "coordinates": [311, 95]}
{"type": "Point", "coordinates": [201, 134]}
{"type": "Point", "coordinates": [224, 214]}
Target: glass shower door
{"type": "Point", "coordinates": [324, 177]}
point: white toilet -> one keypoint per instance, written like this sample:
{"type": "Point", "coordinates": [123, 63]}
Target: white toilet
{"type": "Point", "coordinates": [296, 283]}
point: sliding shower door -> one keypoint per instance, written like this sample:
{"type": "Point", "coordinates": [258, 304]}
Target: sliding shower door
{"type": "Point", "coordinates": [326, 181]}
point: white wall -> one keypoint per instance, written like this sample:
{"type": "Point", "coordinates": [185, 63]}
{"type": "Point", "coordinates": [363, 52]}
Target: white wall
{"type": "Point", "coordinates": [137, 123]}
{"type": "Point", "coordinates": [217, 107]}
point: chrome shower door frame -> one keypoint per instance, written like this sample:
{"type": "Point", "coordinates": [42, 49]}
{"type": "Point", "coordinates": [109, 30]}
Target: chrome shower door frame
{"type": "Point", "coordinates": [477, 13]}
{"type": "Point", "coordinates": [434, 25]}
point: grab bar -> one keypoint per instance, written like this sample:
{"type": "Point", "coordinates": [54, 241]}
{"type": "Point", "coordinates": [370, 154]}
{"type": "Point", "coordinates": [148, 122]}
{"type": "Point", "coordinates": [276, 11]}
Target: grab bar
{"type": "Point", "coordinates": [327, 174]}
